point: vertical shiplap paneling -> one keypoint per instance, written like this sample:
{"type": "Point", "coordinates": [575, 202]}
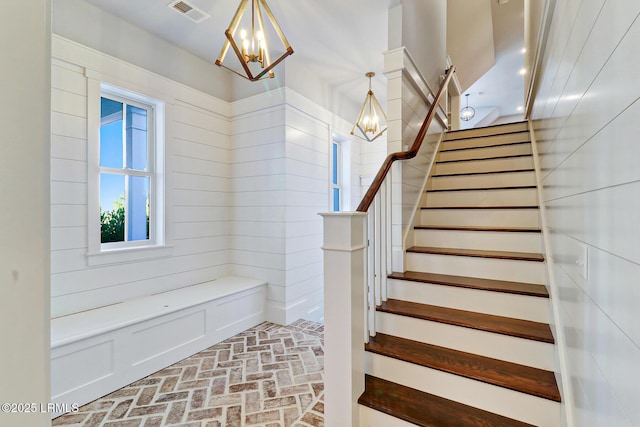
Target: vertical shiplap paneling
{"type": "Point", "coordinates": [197, 188]}
{"type": "Point", "coordinates": [586, 120]}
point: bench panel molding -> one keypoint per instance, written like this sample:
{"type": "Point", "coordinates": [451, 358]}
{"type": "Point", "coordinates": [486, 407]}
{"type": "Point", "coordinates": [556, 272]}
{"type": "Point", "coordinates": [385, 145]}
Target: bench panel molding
{"type": "Point", "coordinates": [96, 352]}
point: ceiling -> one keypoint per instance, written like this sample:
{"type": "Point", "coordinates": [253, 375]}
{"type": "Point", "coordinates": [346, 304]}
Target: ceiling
{"type": "Point", "coordinates": [321, 34]}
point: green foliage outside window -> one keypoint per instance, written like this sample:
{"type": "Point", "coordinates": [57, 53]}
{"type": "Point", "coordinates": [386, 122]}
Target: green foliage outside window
{"type": "Point", "coordinates": [112, 223]}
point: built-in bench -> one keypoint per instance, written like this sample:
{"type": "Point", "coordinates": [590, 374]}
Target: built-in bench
{"type": "Point", "coordinates": [98, 351]}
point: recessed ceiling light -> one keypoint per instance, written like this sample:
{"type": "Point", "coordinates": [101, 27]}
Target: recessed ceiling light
{"type": "Point", "coordinates": [523, 71]}
{"type": "Point", "coordinates": [524, 50]}
{"type": "Point", "coordinates": [520, 108]}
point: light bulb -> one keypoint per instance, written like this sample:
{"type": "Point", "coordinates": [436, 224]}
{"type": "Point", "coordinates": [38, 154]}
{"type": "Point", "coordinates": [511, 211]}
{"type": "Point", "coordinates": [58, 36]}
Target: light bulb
{"type": "Point", "coordinates": [259, 35]}
{"type": "Point", "coordinates": [243, 34]}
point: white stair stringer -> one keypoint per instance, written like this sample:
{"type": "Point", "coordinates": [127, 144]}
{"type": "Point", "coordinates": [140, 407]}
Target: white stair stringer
{"type": "Point", "coordinates": [487, 240]}
{"type": "Point", "coordinates": [504, 304]}
{"type": "Point", "coordinates": [495, 345]}
{"type": "Point", "coordinates": [485, 268]}
{"type": "Point", "coordinates": [513, 404]}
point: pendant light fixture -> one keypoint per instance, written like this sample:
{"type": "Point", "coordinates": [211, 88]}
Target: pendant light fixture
{"type": "Point", "coordinates": [467, 112]}
{"type": "Point", "coordinates": [372, 120]}
{"type": "Point", "coordinates": [252, 49]}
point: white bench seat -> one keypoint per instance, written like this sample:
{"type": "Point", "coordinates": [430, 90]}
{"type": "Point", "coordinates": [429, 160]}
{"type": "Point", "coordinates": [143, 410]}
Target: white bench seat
{"type": "Point", "coordinates": [98, 351]}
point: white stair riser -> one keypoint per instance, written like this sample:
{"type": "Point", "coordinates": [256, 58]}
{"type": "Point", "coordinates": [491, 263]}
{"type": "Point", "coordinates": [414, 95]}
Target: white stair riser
{"type": "Point", "coordinates": [487, 240]}
{"type": "Point", "coordinates": [486, 141]}
{"type": "Point", "coordinates": [485, 268]}
{"type": "Point", "coordinates": [498, 346]}
{"type": "Point", "coordinates": [372, 418]}
{"type": "Point", "coordinates": [481, 217]}
{"type": "Point", "coordinates": [509, 403]}
{"type": "Point", "coordinates": [486, 152]}
{"type": "Point", "coordinates": [492, 165]}
{"type": "Point", "coordinates": [515, 197]}
{"type": "Point", "coordinates": [482, 181]}
{"type": "Point", "coordinates": [504, 304]}
{"type": "Point", "coordinates": [493, 130]}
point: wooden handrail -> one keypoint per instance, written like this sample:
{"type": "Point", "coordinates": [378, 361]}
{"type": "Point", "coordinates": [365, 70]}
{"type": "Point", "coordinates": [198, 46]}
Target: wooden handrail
{"type": "Point", "coordinates": [405, 155]}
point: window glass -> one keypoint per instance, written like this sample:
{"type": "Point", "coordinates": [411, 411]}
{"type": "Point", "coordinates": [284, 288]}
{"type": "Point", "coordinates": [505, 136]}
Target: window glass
{"type": "Point", "coordinates": [112, 212]}
{"type": "Point", "coordinates": [111, 154]}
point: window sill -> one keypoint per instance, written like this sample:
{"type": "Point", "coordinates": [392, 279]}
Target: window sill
{"type": "Point", "coordinates": [124, 255]}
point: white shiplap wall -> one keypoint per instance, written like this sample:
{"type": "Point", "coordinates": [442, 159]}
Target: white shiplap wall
{"type": "Point", "coordinates": [197, 185]}
{"type": "Point", "coordinates": [586, 120]}
{"type": "Point", "coordinates": [244, 182]}
{"type": "Point", "coordinates": [407, 110]}
{"type": "Point", "coordinates": [280, 182]}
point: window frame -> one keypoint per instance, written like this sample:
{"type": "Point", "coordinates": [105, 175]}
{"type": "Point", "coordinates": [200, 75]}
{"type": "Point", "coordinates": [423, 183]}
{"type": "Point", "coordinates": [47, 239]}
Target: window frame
{"type": "Point", "coordinates": [99, 253]}
{"type": "Point", "coordinates": [125, 171]}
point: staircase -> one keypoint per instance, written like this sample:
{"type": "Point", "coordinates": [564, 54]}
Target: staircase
{"type": "Point", "coordinates": [464, 337]}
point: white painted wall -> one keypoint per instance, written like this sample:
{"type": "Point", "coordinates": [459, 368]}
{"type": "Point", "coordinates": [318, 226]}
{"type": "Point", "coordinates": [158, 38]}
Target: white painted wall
{"type": "Point", "coordinates": [586, 120]}
{"type": "Point", "coordinates": [425, 39]}
{"type": "Point", "coordinates": [24, 187]}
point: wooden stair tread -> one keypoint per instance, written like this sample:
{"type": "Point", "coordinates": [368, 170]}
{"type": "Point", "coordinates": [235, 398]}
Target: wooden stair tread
{"type": "Point", "coordinates": [525, 379]}
{"type": "Point", "coordinates": [506, 187]}
{"type": "Point", "coordinates": [478, 253]}
{"type": "Point", "coordinates": [506, 156]}
{"type": "Point", "coordinates": [483, 173]}
{"type": "Point", "coordinates": [526, 329]}
{"type": "Point", "coordinates": [475, 147]}
{"type": "Point", "coordinates": [427, 410]}
{"type": "Point", "coordinates": [479, 228]}
{"type": "Point", "coordinates": [518, 288]}
{"type": "Point", "coordinates": [479, 207]}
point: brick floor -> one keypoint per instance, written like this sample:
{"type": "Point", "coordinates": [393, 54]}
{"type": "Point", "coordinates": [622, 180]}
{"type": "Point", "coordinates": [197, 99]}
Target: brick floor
{"type": "Point", "coordinates": [267, 376]}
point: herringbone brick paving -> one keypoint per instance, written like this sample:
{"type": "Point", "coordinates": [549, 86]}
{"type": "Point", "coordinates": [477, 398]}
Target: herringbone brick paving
{"type": "Point", "coordinates": [269, 375]}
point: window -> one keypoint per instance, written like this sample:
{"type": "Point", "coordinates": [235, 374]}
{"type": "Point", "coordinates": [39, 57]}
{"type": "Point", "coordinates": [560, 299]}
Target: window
{"type": "Point", "coordinates": [126, 189]}
{"type": "Point", "coordinates": [336, 176]}
{"type": "Point", "coordinates": [126, 170]}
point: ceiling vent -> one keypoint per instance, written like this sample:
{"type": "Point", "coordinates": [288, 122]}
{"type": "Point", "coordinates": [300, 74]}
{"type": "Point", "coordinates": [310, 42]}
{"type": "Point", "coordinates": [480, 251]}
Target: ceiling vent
{"type": "Point", "coordinates": [190, 11]}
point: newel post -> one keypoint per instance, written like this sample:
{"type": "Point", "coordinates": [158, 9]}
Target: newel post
{"type": "Point", "coordinates": [344, 315]}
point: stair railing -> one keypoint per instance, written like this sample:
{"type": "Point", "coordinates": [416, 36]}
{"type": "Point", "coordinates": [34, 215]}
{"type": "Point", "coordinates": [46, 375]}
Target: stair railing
{"type": "Point", "coordinates": [376, 203]}
{"type": "Point", "coordinates": [357, 260]}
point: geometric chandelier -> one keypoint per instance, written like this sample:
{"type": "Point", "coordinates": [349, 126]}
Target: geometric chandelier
{"type": "Point", "coordinates": [372, 120]}
{"type": "Point", "coordinates": [252, 49]}
{"type": "Point", "coordinates": [467, 112]}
